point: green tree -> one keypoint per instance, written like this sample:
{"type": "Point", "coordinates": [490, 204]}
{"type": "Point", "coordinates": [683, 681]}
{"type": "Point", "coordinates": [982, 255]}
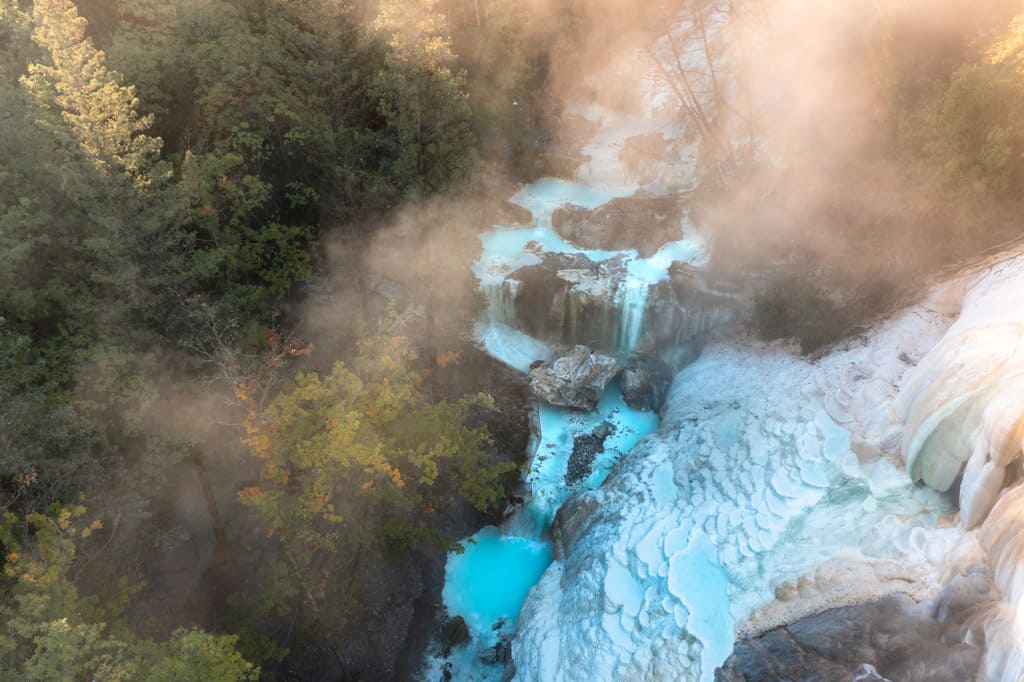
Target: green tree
{"type": "Point", "coordinates": [101, 113]}
{"type": "Point", "coordinates": [193, 655]}
{"type": "Point", "coordinates": [91, 259]}
{"type": "Point", "coordinates": [971, 129]}
{"type": "Point", "coordinates": [422, 99]}
{"type": "Point", "coordinates": [51, 632]}
{"type": "Point", "coordinates": [356, 462]}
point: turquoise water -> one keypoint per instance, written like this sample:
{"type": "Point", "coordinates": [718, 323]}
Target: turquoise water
{"type": "Point", "coordinates": [488, 583]}
{"type": "Point", "coordinates": [545, 195]}
{"type": "Point", "coordinates": [490, 580]}
{"type": "Point", "coordinates": [559, 426]}
{"type": "Point", "coordinates": [506, 249]}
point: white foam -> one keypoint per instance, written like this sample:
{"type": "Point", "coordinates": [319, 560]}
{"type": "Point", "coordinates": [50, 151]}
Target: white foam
{"type": "Point", "coordinates": [512, 346]}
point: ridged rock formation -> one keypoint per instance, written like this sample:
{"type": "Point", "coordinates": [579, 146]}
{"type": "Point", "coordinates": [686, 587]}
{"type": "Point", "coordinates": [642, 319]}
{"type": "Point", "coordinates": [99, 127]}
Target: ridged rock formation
{"type": "Point", "coordinates": [964, 413]}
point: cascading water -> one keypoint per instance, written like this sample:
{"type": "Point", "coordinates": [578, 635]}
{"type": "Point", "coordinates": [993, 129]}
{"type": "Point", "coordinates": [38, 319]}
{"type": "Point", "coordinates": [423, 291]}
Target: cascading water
{"type": "Point", "coordinates": [488, 582]}
{"type": "Point", "coordinates": [501, 297]}
{"type": "Point", "coordinates": [771, 493]}
{"type": "Point", "coordinates": [631, 302]}
{"type": "Point", "coordinates": [605, 309]}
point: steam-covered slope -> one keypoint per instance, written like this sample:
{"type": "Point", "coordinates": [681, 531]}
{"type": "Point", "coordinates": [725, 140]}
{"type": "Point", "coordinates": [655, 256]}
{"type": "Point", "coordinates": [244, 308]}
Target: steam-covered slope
{"type": "Point", "coordinates": [772, 491]}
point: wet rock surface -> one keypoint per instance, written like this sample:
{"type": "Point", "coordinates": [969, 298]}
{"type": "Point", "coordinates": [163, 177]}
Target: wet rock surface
{"type": "Point", "coordinates": [513, 214]}
{"type": "Point", "coordinates": [584, 449]}
{"type": "Point", "coordinates": [681, 310]}
{"type": "Point", "coordinates": [894, 638]}
{"type": "Point", "coordinates": [571, 380]}
{"type": "Point", "coordinates": [642, 221]}
{"type": "Point", "coordinates": [645, 382]}
{"type": "Point", "coordinates": [499, 653]}
{"type": "Point", "coordinates": [566, 299]}
{"type": "Point", "coordinates": [573, 521]}
{"type": "Point", "coordinates": [644, 153]}
{"type": "Point", "coordinates": [454, 632]}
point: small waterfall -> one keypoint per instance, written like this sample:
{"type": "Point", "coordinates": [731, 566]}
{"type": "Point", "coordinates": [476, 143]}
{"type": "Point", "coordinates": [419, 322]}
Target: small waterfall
{"type": "Point", "coordinates": [610, 321]}
{"type": "Point", "coordinates": [501, 301]}
{"type": "Point", "coordinates": [631, 303]}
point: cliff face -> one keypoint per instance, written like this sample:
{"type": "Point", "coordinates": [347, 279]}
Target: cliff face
{"type": "Point", "coordinates": [776, 490]}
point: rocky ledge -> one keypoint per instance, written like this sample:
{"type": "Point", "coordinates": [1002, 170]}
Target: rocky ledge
{"type": "Point", "coordinates": [643, 221]}
{"type": "Point", "coordinates": [573, 380]}
{"type": "Point", "coordinates": [894, 638]}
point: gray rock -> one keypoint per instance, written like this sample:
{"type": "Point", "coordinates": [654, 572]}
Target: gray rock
{"type": "Point", "coordinates": [569, 299]}
{"type": "Point", "coordinates": [645, 383]}
{"type": "Point", "coordinates": [510, 670]}
{"type": "Point", "coordinates": [573, 521]}
{"type": "Point", "coordinates": [570, 381]}
{"type": "Point", "coordinates": [894, 638]}
{"type": "Point", "coordinates": [681, 310]}
{"type": "Point", "coordinates": [641, 221]}
{"type": "Point", "coordinates": [499, 653]}
{"type": "Point", "coordinates": [454, 632]}
{"type": "Point", "coordinates": [514, 214]}
{"type": "Point", "coordinates": [565, 299]}
{"type": "Point", "coordinates": [641, 150]}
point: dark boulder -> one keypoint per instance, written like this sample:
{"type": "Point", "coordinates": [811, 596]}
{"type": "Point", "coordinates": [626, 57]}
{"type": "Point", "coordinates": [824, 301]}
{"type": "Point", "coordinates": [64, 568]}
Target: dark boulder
{"type": "Point", "coordinates": [646, 158]}
{"type": "Point", "coordinates": [642, 221]}
{"type": "Point", "coordinates": [568, 299]}
{"type": "Point", "coordinates": [894, 638]}
{"type": "Point", "coordinates": [499, 653]}
{"type": "Point", "coordinates": [641, 151]}
{"type": "Point", "coordinates": [681, 310]}
{"type": "Point", "coordinates": [574, 520]}
{"type": "Point", "coordinates": [454, 633]}
{"type": "Point", "coordinates": [645, 382]}
{"type": "Point", "coordinates": [514, 214]}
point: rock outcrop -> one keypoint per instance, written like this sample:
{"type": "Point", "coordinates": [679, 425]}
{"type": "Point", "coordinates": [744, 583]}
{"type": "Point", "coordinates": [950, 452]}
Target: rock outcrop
{"type": "Point", "coordinates": [571, 380]}
{"type": "Point", "coordinates": [570, 299]}
{"type": "Point", "coordinates": [760, 458]}
{"type": "Point", "coordinates": [645, 383]}
{"type": "Point", "coordinates": [680, 311]}
{"type": "Point", "coordinates": [642, 221]}
{"type": "Point", "coordinates": [513, 214]}
{"type": "Point", "coordinates": [644, 156]}
{"type": "Point", "coordinates": [894, 638]}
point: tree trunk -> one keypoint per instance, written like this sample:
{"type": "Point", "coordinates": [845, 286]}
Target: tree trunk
{"type": "Point", "coordinates": [211, 500]}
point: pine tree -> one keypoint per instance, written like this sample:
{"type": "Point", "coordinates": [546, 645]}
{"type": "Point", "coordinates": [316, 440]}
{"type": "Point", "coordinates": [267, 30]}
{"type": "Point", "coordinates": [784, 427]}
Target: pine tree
{"type": "Point", "coordinates": [101, 113]}
{"type": "Point", "coordinates": [421, 97]}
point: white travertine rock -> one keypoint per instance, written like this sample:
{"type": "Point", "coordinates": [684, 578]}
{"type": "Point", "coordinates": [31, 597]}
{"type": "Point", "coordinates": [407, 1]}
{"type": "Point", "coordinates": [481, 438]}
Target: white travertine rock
{"type": "Point", "coordinates": [750, 489]}
{"type": "Point", "coordinates": [770, 494]}
{"type": "Point", "coordinates": [964, 415]}
{"type": "Point", "coordinates": [970, 380]}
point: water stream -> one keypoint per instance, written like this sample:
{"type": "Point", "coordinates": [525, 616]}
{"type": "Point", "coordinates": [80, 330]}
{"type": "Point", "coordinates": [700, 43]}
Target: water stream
{"type": "Point", "coordinates": [488, 582]}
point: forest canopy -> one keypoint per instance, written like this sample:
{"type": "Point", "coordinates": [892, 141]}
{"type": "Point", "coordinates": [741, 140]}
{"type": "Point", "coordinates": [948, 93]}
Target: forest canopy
{"type": "Point", "coordinates": [168, 173]}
